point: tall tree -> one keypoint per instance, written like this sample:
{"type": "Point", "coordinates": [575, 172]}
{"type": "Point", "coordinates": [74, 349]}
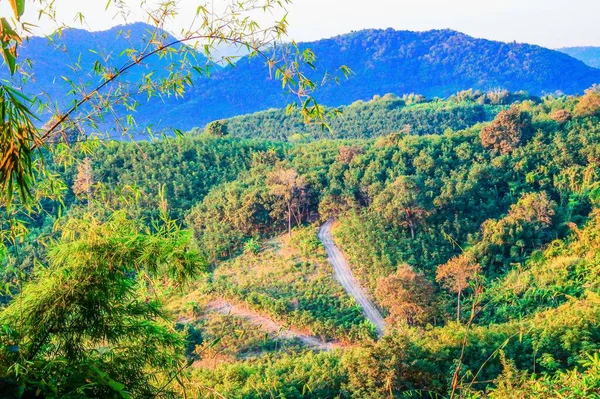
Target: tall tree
{"type": "Point", "coordinates": [407, 295]}
{"type": "Point", "coordinates": [401, 203]}
{"type": "Point", "coordinates": [290, 187]}
{"type": "Point", "coordinates": [457, 274]}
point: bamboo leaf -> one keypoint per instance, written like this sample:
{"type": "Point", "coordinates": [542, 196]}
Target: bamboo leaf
{"type": "Point", "coordinates": [18, 7]}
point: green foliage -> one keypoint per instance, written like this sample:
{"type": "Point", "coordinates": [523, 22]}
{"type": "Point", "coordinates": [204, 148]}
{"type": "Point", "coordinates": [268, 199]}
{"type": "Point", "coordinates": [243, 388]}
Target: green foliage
{"type": "Point", "coordinates": [186, 168]}
{"type": "Point", "coordinates": [521, 224]}
{"type": "Point", "coordinates": [307, 375]}
{"type": "Point", "coordinates": [252, 246]}
{"type": "Point", "coordinates": [17, 136]}
{"type": "Point", "coordinates": [378, 117]}
{"type": "Point", "coordinates": [217, 129]}
{"type": "Point", "coordinates": [228, 338]}
{"type": "Point", "coordinates": [307, 243]}
{"type": "Point", "coordinates": [573, 384]}
{"type": "Point", "coordinates": [421, 362]}
{"type": "Point", "coordinates": [89, 324]}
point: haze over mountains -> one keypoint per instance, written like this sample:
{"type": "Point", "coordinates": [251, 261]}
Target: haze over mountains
{"type": "Point", "coordinates": [432, 63]}
{"type": "Point", "coordinates": [588, 54]}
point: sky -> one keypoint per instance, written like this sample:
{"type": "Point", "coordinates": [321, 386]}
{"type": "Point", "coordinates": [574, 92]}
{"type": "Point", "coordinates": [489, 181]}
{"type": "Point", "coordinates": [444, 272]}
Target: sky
{"type": "Point", "coordinates": [549, 23]}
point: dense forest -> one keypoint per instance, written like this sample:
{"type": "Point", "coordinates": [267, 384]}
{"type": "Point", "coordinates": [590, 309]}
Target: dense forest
{"type": "Point", "coordinates": [195, 267]}
{"type": "Point", "coordinates": [379, 116]}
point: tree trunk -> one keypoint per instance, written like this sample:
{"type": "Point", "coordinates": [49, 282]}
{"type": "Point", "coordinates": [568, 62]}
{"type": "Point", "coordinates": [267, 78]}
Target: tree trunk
{"type": "Point", "coordinates": [410, 222]}
{"type": "Point", "coordinates": [458, 307]}
{"type": "Point", "coordinates": [289, 220]}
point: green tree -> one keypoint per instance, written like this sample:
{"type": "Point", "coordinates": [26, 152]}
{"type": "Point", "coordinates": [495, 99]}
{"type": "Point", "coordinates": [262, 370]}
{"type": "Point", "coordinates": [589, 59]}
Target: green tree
{"type": "Point", "coordinates": [290, 188]}
{"type": "Point", "coordinates": [401, 203]}
{"type": "Point", "coordinates": [91, 324]}
{"type": "Point", "coordinates": [217, 129]}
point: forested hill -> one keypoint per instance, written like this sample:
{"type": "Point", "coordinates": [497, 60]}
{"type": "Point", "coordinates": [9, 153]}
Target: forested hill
{"type": "Point", "coordinates": [588, 54]}
{"type": "Point", "coordinates": [480, 248]}
{"type": "Point", "coordinates": [379, 116]}
{"type": "Point", "coordinates": [432, 63]}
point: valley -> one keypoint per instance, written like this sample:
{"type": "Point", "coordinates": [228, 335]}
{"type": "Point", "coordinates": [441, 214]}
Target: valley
{"type": "Point", "coordinates": [430, 231]}
{"type": "Point", "coordinates": [382, 213]}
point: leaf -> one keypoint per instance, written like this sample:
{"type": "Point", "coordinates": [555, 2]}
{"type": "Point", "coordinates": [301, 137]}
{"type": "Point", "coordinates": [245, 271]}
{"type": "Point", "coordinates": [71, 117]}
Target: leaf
{"type": "Point", "coordinates": [18, 7]}
{"type": "Point", "coordinates": [8, 33]}
{"type": "Point", "coordinates": [178, 132]}
{"type": "Point", "coordinates": [9, 55]}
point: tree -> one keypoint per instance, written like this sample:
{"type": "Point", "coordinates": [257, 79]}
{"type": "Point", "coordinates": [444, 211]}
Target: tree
{"type": "Point", "coordinates": [509, 240]}
{"type": "Point", "coordinates": [561, 116]}
{"type": "Point", "coordinates": [347, 153]}
{"type": "Point", "coordinates": [407, 295]}
{"type": "Point", "coordinates": [533, 208]}
{"type": "Point", "coordinates": [507, 131]}
{"type": "Point", "coordinates": [589, 103]}
{"type": "Point", "coordinates": [457, 274]}
{"type": "Point", "coordinates": [401, 203]}
{"type": "Point", "coordinates": [90, 324]}
{"type": "Point", "coordinates": [217, 129]}
{"type": "Point", "coordinates": [497, 96]}
{"type": "Point", "coordinates": [84, 180]}
{"type": "Point", "coordinates": [287, 185]}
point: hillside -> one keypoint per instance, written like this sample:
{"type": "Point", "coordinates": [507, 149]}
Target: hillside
{"type": "Point", "coordinates": [424, 223]}
{"type": "Point", "coordinates": [482, 241]}
{"type": "Point", "coordinates": [379, 116]}
{"type": "Point", "coordinates": [588, 54]}
{"type": "Point", "coordinates": [432, 63]}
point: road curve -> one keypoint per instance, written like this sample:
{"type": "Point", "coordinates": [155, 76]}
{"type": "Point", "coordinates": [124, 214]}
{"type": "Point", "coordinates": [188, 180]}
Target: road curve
{"type": "Point", "coordinates": [226, 308]}
{"type": "Point", "coordinates": [343, 274]}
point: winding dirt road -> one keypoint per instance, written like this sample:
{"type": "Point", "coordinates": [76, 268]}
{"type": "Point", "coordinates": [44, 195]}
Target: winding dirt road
{"type": "Point", "coordinates": [343, 274]}
{"type": "Point", "coordinates": [225, 308]}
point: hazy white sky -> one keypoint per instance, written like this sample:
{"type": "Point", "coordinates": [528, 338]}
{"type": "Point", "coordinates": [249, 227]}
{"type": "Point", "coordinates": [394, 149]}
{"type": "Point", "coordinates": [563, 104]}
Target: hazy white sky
{"type": "Point", "coordinates": [551, 23]}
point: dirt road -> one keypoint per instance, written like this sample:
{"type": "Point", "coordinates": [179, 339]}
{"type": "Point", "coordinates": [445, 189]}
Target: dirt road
{"type": "Point", "coordinates": [267, 324]}
{"type": "Point", "coordinates": [344, 275]}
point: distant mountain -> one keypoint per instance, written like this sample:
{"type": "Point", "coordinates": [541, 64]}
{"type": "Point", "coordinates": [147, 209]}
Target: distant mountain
{"type": "Point", "coordinates": [590, 55]}
{"type": "Point", "coordinates": [432, 63]}
{"type": "Point", "coordinates": [72, 55]}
